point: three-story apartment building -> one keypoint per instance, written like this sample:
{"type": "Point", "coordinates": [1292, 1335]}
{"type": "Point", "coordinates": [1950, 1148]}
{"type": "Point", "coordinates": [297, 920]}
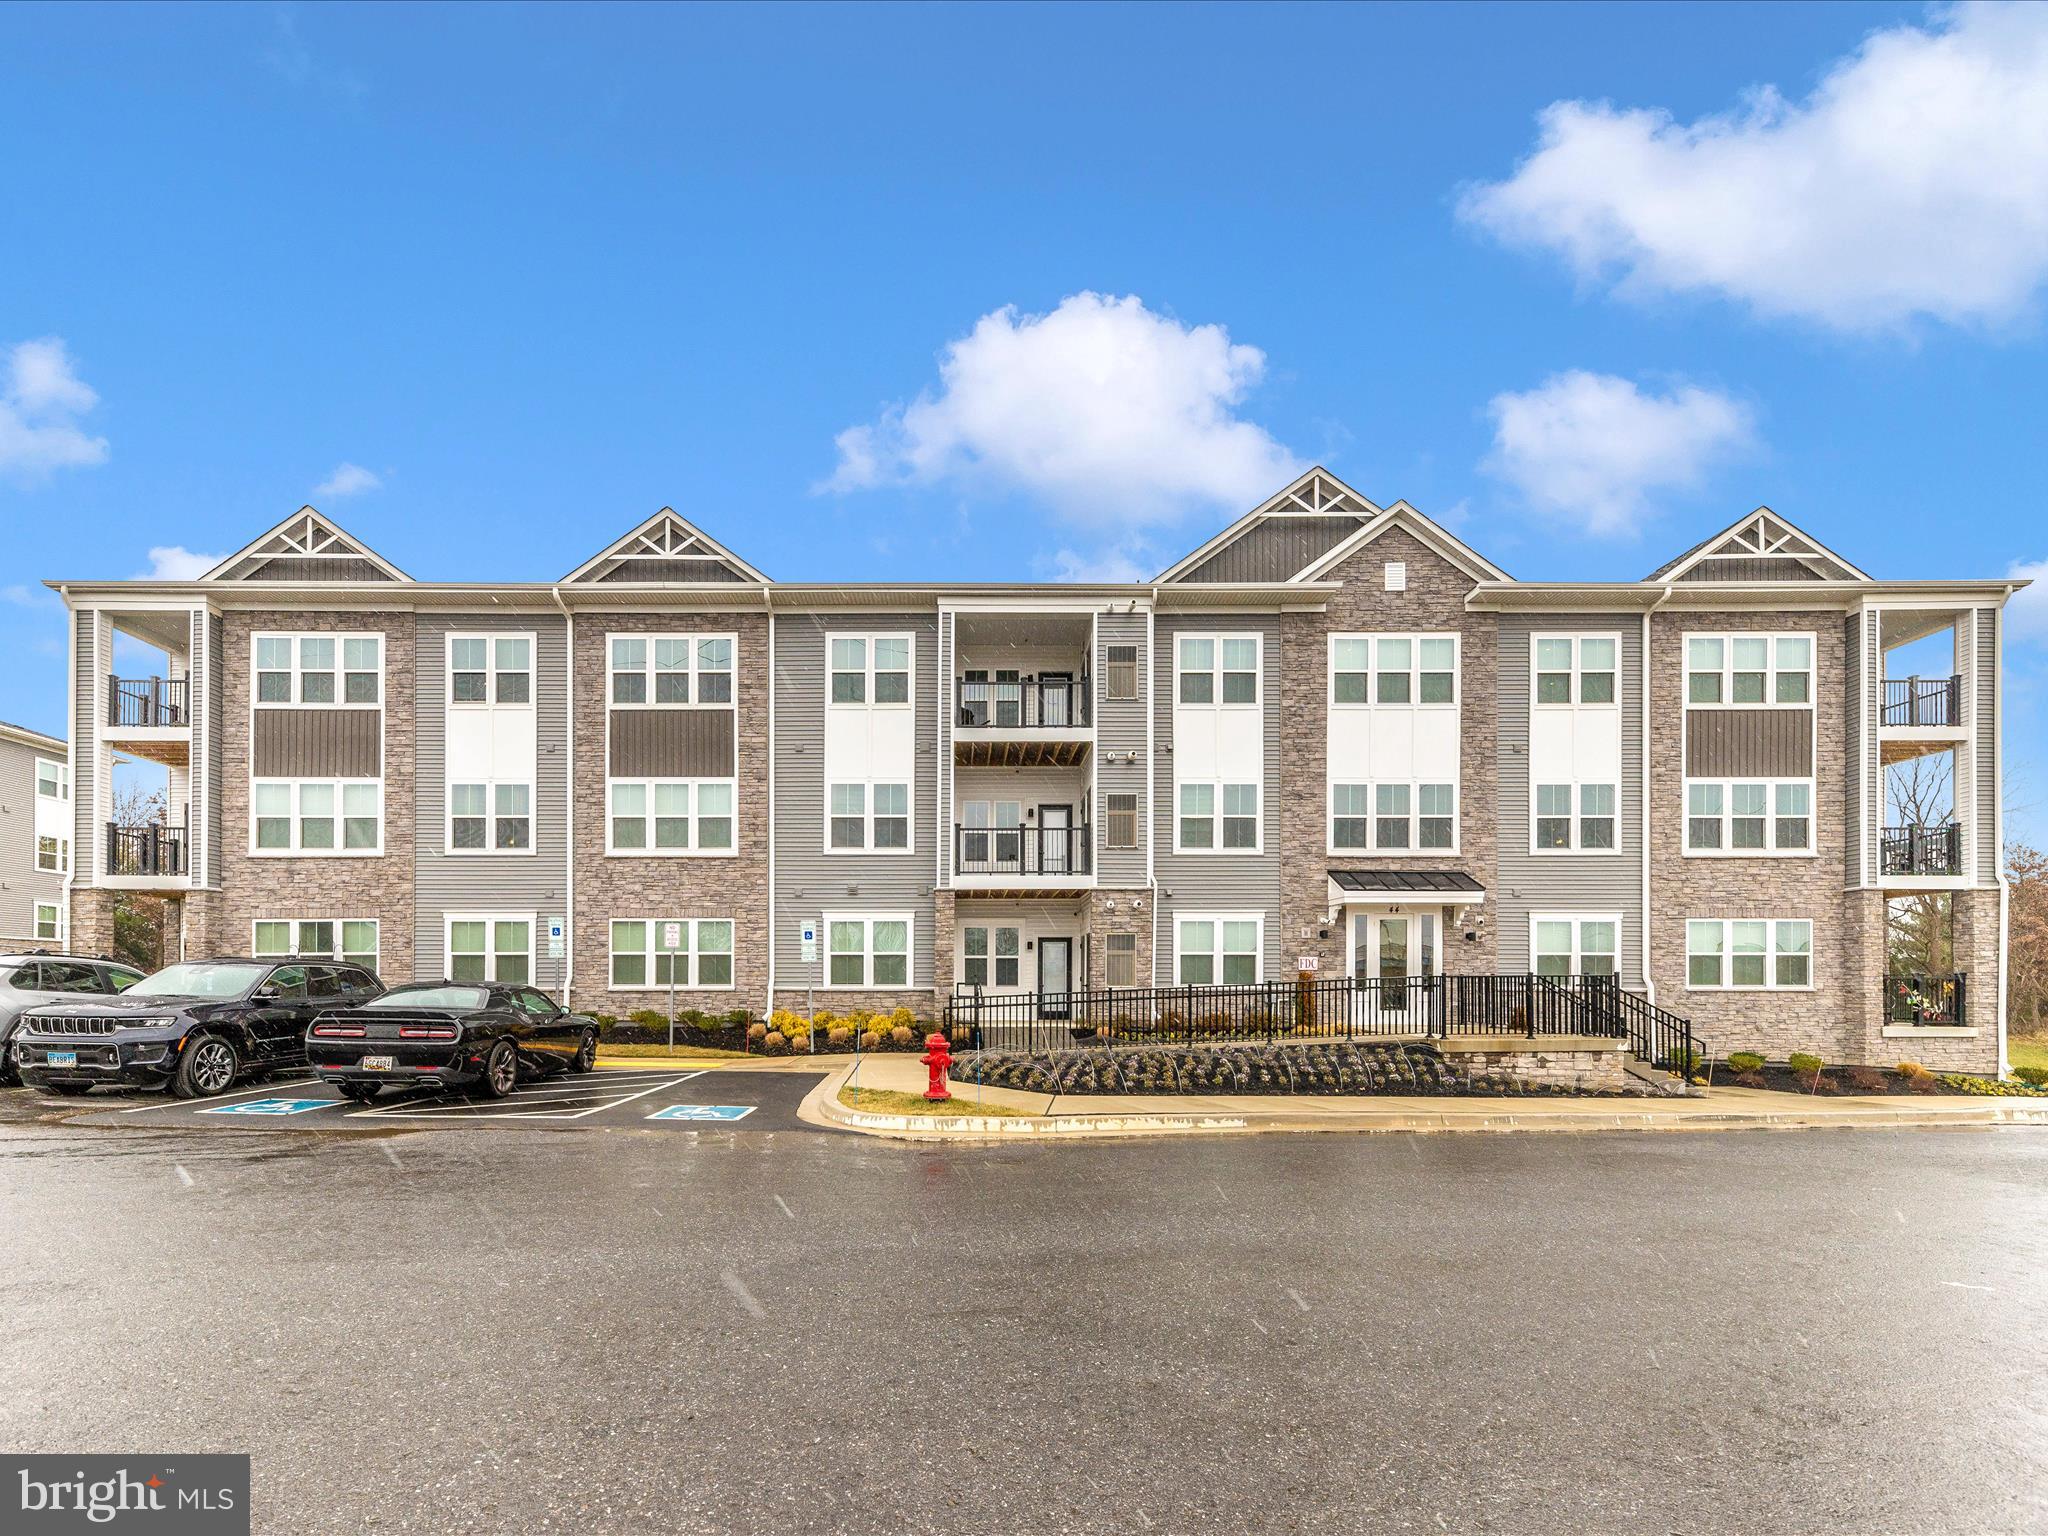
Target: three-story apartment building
{"type": "Point", "coordinates": [35, 839]}
{"type": "Point", "coordinates": [1334, 739]}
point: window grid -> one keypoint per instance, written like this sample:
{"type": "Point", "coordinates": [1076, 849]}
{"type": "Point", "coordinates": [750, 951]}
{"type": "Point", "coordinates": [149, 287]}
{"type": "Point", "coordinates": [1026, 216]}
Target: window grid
{"type": "Point", "coordinates": [490, 947]}
{"type": "Point", "coordinates": [1574, 669]}
{"type": "Point", "coordinates": [316, 818]}
{"type": "Point", "coordinates": [1199, 827]}
{"type": "Point", "coordinates": [490, 669]}
{"type": "Point", "coordinates": [671, 818]}
{"type": "Point", "coordinates": [670, 671]}
{"type": "Point", "coordinates": [1218, 949]}
{"type": "Point", "coordinates": [869, 669]}
{"type": "Point", "coordinates": [991, 956]}
{"type": "Point", "coordinates": [641, 959]}
{"type": "Point", "coordinates": [1575, 944]}
{"type": "Point", "coordinates": [490, 816]}
{"type": "Point", "coordinates": [1220, 669]}
{"type": "Point", "coordinates": [1393, 816]}
{"type": "Point", "coordinates": [1749, 954]}
{"type": "Point", "coordinates": [1574, 817]}
{"type": "Point", "coordinates": [867, 816]}
{"type": "Point", "coordinates": [868, 950]}
{"type": "Point", "coordinates": [1748, 818]}
{"type": "Point", "coordinates": [1393, 669]}
{"type": "Point", "coordinates": [351, 940]}
{"type": "Point", "coordinates": [332, 669]}
{"type": "Point", "coordinates": [1749, 671]}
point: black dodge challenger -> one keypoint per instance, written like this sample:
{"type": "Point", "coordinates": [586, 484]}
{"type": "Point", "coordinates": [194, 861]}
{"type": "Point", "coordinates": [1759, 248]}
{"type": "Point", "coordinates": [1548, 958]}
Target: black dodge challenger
{"type": "Point", "coordinates": [453, 1034]}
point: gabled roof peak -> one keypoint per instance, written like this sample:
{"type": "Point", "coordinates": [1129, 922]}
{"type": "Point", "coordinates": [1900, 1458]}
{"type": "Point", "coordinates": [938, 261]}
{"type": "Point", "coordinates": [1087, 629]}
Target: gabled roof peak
{"type": "Point", "coordinates": [307, 546]}
{"type": "Point", "coordinates": [1754, 545]}
{"type": "Point", "coordinates": [666, 547]}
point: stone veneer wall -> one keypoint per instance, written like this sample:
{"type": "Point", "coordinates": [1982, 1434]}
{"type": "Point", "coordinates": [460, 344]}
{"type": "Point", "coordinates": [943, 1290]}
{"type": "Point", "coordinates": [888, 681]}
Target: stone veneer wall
{"type": "Point", "coordinates": [1582, 1071]}
{"type": "Point", "coordinates": [1134, 915]}
{"type": "Point", "coordinates": [1434, 602]}
{"type": "Point", "coordinates": [657, 888]}
{"type": "Point", "coordinates": [299, 887]}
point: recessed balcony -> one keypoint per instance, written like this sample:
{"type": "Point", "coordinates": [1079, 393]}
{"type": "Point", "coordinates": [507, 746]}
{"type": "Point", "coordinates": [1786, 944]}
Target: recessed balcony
{"type": "Point", "coordinates": [146, 858]}
{"type": "Point", "coordinates": [1021, 722]}
{"type": "Point", "coordinates": [151, 717]}
{"type": "Point", "coordinates": [1921, 850]}
{"type": "Point", "coordinates": [1919, 715]}
{"type": "Point", "coordinates": [1023, 858]}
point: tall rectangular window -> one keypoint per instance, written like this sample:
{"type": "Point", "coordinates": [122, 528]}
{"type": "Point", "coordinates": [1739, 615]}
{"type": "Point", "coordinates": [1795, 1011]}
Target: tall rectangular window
{"type": "Point", "coordinates": [1122, 670]}
{"type": "Point", "coordinates": [490, 948]}
{"type": "Point", "coordinates": [1217, 669]}
{"type": "Point", "coordinates": [1120, 960]}
{"type": "Point", "coordinates": [1121, 821]}
{"type": "Point", "coordinates": [1574, 669]}
{"type": "Point", "coordinates": [868, 950]}
{"type": "Point", "coordinates": [1218, 950]}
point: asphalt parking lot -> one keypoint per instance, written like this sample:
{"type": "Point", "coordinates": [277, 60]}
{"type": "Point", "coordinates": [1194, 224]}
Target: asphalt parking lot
{"type": "Point", "coordinates": [651, 1099]}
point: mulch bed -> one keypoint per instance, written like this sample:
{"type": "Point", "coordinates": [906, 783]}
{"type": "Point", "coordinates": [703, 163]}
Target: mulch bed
{"type": "Point", "coordinates": [1834, 1081]}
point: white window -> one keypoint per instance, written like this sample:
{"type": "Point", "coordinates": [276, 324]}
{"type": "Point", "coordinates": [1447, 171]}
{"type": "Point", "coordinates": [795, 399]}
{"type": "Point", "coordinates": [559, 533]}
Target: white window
{"type": "Point", "coordinates": [671, 817]}
{"type": "Point", "coordinates": [490, 948]}
{"type": "Point", "coordinates": [1569, 818]}
{"type": "Point", "coordinates": [1239, 831]}
{"type": "Point", "coordinates": [53, 855]}
{"type": "Point", "coordinates": [1212, 949]}
{"type": "Point", "coordinates": [1393, 817]}
{"type": "Point", "coordinates": [1574, 669]}
{"type": "Point", "coordinates": [869, 816]}
{"type": "Point", "coordinates": [490, 817]}
{"type": "Point", "coordinates": [53, 779]}
{"type": "Point", "coordinates": [1748, 817]}
{"type": "Point", "coordinates": [323, 670]}
{"type": "Point", "coordinates": [353, 940]}
{"type": "Point", "coordinates": [1566, 944]}
{"type": "Point", "coordinates": [642, 956]}
{"type": "Point", "coordinates": [869, 669]}
{"type": "Point", "coordinates": [321, 817]}
{"type": "Point", "coordinates": [1749, 670]}
{"type": "Point", "coordinates": [1749, 953]}
{"type": "Point", "coordinates": [868, 951]}
{"type": "Point", "coordinates": [1217, 669]}
{"type": "Point", "coordinates": [1394, 669]}
{"type": "Point", "coordinates": [671, 671]}
{"type": "Point", "coordinates": [49, 920]}
{"type": "Point", "coordinates": [490, 669]}
{"type": "Point", "coordinates": [990, 956]}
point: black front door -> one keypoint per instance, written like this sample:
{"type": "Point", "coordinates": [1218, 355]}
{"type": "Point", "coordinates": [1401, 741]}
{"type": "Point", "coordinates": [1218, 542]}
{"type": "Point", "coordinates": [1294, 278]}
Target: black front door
{"type": "Point", "coordinates": [1055, 977]}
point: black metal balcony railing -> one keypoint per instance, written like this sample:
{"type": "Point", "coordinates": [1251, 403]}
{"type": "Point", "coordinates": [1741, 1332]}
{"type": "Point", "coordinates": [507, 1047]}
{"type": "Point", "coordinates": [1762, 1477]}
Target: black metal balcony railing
{"type": "Point", "coordinates": [152, 850]}
{"type": "Point", "coordinates": [1923, 701]}
{"type": "Point", "coordinates": [1922, 850]}
{"type": "Point", "coordinates": [1924, 999]}
{"type": "Point", "coordinates": [1022, 850]}
{"type": "Point", "coordinates": [1023, 704]}
{"type": "Point", "coordinates": [147, 702]}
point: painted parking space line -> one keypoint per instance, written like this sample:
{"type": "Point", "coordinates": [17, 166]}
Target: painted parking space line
{"type": "Point", "coordinates": [566, 1107]}
{"type": "Point", "coordinates": [269, 1107]}
{"type": "Point", "coordinates": [704, 1112]}
{"type": "Point", "coordinates": [159, 1101]}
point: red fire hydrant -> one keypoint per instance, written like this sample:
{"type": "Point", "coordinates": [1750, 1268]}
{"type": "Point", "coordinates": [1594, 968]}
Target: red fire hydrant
{"type": "Point", "coordinates": [938, 1056]}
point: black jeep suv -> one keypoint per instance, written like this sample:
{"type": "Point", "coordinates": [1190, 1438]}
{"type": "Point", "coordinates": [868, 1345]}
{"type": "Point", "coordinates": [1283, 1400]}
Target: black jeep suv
{"type": "Point", "coordinates": [199, 1026]}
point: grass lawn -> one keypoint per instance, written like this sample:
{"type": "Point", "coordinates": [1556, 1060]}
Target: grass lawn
{"type": "Point", "coordinates": [680, 1053]}
{"type": "Point", "coordinates": [885, 1101]}
{"type": "Point", "coordinates": [2027, 1050]}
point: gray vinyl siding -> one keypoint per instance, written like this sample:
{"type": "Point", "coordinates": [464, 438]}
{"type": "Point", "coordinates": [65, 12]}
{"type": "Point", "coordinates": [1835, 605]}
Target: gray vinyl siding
{"type": "Point", "coordinates": [216, 681]}
{"type": "Point", "coordinates": [1217, 882]}
{"type": "Point", "coordinates": [809, 881]}
{"type": "Point", "coordinates": [516, 884]}
{"type": "Point", "coordinates": [1985, 722]}
{"type": "Point", "coordinates": [88, 857]}
{"type": "Point", "coordinates": [1563, 882]}
{"type": "Point", "coordinates": [1119, 729]}
{"type": "Point", "coordinates": [22, 885]}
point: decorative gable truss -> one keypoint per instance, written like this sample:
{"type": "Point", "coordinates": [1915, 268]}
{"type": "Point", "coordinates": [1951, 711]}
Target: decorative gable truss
{"type": "Point", "coordinates": [666, 548]}
{"type": "Point", "coordinates": [306, 547]}
{"type": "Point", "coordinates": [1276, 540]}
{"type": "Point", "coordinates": [1760, 547]}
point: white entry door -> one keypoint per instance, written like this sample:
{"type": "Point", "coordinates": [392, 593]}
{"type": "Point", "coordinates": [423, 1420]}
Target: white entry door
{"type": "Point", "coordinates": [1391, 954]}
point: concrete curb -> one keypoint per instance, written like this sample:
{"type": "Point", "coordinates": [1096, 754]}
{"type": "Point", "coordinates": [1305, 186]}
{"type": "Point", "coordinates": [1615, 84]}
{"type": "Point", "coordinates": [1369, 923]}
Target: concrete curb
{"type": "Point", "coordinates": [821, 1106]}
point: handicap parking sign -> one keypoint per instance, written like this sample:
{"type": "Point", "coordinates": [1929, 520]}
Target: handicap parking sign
{"type": "Point", "coordinates": [268, 1107]}
{"type": "Point", "coordinates": [703, 1112]}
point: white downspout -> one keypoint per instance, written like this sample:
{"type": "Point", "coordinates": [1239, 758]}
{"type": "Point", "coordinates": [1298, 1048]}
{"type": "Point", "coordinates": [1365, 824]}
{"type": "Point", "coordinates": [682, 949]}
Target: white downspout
{"type": "Point", "coordinates": [768, 608]}
{"type": "Point", "coordinates": [1649, 979]}
{"type": "Point", "coordinates": [80, 848]}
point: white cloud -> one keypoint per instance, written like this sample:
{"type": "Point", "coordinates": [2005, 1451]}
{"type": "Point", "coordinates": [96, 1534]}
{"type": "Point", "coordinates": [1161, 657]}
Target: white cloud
{"type": "Point", "coordinates": [1592, 449]}
{"type": "Point", "coordinates": [1111, 413]}
{"type": "Point", "coordinates": [173, 562]}
{"type": "Point", "coordinates": [1913, 181]}
{"type": "Point", "coordinates": [41, 399]}
{"type": "Point", "coordinates": [348, 480]}
{"type": "Point", "coordinates": [1111, 563]}
{"type": "Point", "coordinates": [22, 595]}
{"type": "Point", "coordinates": [2026, 615]}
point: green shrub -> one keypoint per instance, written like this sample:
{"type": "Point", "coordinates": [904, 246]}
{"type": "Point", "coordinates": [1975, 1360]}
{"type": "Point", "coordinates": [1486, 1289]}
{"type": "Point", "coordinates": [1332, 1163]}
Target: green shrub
{"type": "Point", "coordinates": [2033, 1077]}
{"type": "Point", "coordinates": [1684, 1061]}
{"type": "Point", "coordinates": [647, 1018]}
{"type": "Point", "coordinates": [1745, 1061]}
{"type": "Point", "coordinates": [1805, 1065]}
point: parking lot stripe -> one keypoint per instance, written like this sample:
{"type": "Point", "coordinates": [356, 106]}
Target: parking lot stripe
{"type": "Point", "coordinates": [222, 1098]}
{"type": "Point", "coordinates": [491, 1110]}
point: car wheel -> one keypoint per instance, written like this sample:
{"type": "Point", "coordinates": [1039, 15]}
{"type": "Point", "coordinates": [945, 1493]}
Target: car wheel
{"type": "Point", "coordinates": [359, 1093]}
{"type": "Point", "coordinates": [501, 1070]}
{"type": "Point", "coordinates": [208, 1067]}
{"type": "Point", "coordinates": [585, 1059]}
{"type": "Point", "coordinates": [71, 1090]}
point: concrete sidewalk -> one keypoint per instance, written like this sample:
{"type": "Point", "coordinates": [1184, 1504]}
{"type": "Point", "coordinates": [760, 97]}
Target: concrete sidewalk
{"type": "Point", "coordinates": [1095, 1115]}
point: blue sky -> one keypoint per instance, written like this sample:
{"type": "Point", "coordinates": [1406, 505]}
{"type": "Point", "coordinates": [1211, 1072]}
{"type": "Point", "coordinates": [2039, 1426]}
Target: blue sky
{"type": "Point", "coordinates": [993, 293]}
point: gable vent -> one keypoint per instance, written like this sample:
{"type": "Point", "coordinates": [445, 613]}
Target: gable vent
{"type": "Point", "coordinates": [1397, 575]}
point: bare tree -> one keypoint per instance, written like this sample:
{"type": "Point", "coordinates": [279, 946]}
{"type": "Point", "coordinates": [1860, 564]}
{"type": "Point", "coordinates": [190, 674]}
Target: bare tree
{"type": "Point", "coordinates": [142, 923]}
{"type": "Point", "coordinates": [2026, 954]}
{"type": "Point", "coordinates": [1920, 928]}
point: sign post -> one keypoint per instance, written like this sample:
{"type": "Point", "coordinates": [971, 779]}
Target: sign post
{"type": "Point", "coordinates": [671, 940]}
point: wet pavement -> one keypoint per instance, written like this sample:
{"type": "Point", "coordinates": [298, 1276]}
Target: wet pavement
{"type": "Point", "coordinates": [501, 1325]}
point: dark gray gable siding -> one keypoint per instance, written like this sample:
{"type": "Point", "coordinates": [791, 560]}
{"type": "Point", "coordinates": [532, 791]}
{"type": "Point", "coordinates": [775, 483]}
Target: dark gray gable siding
{"type": "Point", "coordinates": [444, 882]}
{"type": "Point", "coordinates": [1569, 883]}
{"type": "Point", "coordinates": [808, 881]}
{"type": "Point", "coordinates": [1218, 882]}
{"type": "Point", "coordinates": [1273, 550]}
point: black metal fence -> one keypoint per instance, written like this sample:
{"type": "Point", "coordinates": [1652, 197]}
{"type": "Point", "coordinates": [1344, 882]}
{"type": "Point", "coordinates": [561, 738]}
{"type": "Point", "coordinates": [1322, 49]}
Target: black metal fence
{"type": "Point", "coordinates": [1924, 999]}
{"type": "Point", "coordinates": [1922, 850]}
{"type": "Point", "coordinates": [1022, 850]}
{"type": "Point", "coordinates": [147, 702]}
{"type": "Point", "coordinates": [1426, 1007]}
{"type": "Point", "coordinates": [1923, 701]}
{"type": "Point", "coordinates": [153, 850]}
{"type": "Point", "coordinates": [1023, 704]}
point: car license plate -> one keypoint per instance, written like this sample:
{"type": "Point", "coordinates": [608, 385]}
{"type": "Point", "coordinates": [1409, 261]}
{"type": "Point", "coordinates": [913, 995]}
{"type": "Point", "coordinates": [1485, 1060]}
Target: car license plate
{"type": "Point", "coordinates": [62, 1058]}
{"type": "Point", "coordinates": [380, 1063]}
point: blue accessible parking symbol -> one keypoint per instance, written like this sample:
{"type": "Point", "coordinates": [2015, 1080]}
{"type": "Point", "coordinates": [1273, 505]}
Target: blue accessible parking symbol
{"type": "Point", "coordinates": [269, 1107]}
{"type": "Point", "coordinates": [703, 1112]}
